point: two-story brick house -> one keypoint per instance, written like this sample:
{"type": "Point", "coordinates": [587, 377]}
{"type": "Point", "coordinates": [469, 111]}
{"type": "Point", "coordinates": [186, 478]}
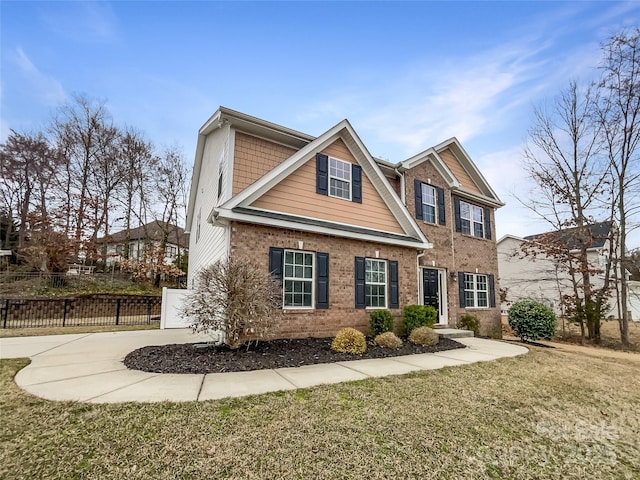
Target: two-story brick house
{"type": "Point", "coordinates": [344, 232]}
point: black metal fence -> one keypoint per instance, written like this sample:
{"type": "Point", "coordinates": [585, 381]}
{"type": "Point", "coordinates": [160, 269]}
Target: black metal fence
{"type": "Point", "coordinates": [80, 310]}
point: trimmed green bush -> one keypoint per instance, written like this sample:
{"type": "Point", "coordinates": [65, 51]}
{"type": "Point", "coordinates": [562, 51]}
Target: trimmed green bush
{"type": "Point", "coordinates": [531, 320]}
{"type": "Point", "coordinates": [414, 316]}
{"type": "Point", "coordinates": [349, 340]}
{"type": "Point", "coordinates": [424, 336]}
{"type": "Point", "coordinates": [380, 321]}
{"type": "Point", "coordinates": [470, 322]}
{"type": "Point", "coordinates": [388, 340]}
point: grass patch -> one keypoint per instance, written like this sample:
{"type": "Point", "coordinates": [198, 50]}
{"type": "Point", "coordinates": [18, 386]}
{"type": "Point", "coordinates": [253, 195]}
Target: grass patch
{"type": "Point", "coordinates": [39, 331]}
{"type": "Point", "coordinates": [548, 414]}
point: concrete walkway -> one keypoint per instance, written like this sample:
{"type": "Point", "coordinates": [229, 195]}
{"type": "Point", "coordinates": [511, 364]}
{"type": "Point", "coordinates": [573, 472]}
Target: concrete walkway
{"type": "Point", "coordinates": [89, 368]}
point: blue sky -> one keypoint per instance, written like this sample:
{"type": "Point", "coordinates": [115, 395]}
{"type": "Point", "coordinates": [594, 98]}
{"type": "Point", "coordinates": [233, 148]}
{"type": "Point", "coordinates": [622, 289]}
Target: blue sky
{"type": "Point", "coordinates": [407, 75]}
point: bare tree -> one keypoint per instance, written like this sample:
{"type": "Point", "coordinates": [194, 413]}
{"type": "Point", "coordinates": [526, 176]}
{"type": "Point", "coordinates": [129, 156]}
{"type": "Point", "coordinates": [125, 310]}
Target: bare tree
{"type": "Point", "coordinates": [564, 160]}
{"type": "Point", "coordinates": [619, 117]}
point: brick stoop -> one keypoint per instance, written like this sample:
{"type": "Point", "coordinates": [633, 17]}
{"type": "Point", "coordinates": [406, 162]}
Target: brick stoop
{"type": "Point", "coordinates": [454, 333]}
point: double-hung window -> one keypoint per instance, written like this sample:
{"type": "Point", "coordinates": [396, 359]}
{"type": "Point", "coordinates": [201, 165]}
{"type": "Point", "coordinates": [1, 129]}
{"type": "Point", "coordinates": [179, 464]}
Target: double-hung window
{"type": "Point", "coordinates": [429, 205]}
{"type": "Point", "coordinates": [476, 290]}
{"type": "Point", "coordinates": [298, 279]}
{"type": "Point", "coordinates": [471, 219]}
{"type": "Point", "coordinates": [375, 274]}
{"type": "Point", "coordinates": [339, 179]}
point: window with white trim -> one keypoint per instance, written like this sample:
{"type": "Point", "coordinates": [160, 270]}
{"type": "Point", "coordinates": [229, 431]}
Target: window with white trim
{"type": "Point", "coordinates": [339, 179]}
{"type": "Point", "coordinates": [476, 290]}
{"type": "Point", "coordinates": [472, 219]}
{"type": "Point", "coordinates": [429, 200]}
{"type": "Point", "coordinates": [375, 280]}
{"type": "Point", "coordinates": [298, 279]}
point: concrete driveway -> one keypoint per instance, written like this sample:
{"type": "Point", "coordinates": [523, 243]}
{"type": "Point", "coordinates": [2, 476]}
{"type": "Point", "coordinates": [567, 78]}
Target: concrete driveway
{"type": "Point", "coordinates": [88, 368]}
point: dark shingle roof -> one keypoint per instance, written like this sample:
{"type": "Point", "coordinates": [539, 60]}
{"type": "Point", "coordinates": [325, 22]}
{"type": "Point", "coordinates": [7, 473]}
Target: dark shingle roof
{"type": "Point", "coordinates": [152, 231]}
{"type": "Point", "coordinates": [571, 237]}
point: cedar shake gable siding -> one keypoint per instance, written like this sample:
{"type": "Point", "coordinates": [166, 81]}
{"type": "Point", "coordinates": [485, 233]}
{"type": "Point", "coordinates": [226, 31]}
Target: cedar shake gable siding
{"type": "Point", "coordinates": [296, 195]}
{"type": "Point", "coordinates": [254, 157]}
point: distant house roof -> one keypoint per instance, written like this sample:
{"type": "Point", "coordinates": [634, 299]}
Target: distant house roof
{"type": "Point", "coordinates": [599, 232]}
{"type": "Point", "coordinates": [152, 231]}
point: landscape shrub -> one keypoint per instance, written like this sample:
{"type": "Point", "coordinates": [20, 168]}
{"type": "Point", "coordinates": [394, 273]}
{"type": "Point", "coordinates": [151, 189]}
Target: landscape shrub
{"type": "Point", "coordinates": [236, 297]}
{"type": "Point", "coordinates": [470, 322]}
{"type": "Point", "coordinates": [349, 340]}
{"type": "Point", "coordinates": [414, 316]}
{"type": "Point", "coordinates": [388, 340]}
{"type": "Point", "coordinates": [424, 336]}
{"type": "Point", "coordinates": [380, 321]}
{"type": "Point", "coordinates": [531, 320]}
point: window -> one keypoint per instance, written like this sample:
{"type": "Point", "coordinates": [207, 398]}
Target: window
{"type": "Point", "coordinates": [476, 291]}
{"type": "Point", "coordinates": [375, 280]}
{"type": "Point", "coordinates": [339, 179]}
{"type": "Point", "coordinates": [472, 219]}
{"type": "Point", "coordinates": [220, 180]}
{"type": "Point", "coordinates": [428, 203]}
{"type": "Point", "coordinates": [171, 251]}
{"type": "Point", "coordinates": [298, 279]}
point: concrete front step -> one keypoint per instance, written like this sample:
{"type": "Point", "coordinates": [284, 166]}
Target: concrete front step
{"type": "Point", "coordinates": [454, 333]}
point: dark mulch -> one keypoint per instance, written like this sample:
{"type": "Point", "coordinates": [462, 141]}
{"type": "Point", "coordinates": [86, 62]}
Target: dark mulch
{"type": "Point", "coordinates": [185, 358]}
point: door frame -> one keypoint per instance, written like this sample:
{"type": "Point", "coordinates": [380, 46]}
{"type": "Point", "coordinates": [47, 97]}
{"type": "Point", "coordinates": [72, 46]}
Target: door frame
{"type": "Point", "coordinates": [443, 314]}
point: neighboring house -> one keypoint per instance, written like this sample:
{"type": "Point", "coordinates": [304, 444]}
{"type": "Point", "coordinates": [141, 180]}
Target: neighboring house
{"type": "Point", "coordinates": [141, 238]}
{"type": "Point", "coordinates": [344, 232]}
{"type": "Point", "coordinates": [540, 278]}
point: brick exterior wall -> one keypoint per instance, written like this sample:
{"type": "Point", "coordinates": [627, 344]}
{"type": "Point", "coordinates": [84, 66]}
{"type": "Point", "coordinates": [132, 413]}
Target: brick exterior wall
{"type": "Point", "coordinates": [254, 241]}
{"type": "Point", "coordinates": [456, 252]}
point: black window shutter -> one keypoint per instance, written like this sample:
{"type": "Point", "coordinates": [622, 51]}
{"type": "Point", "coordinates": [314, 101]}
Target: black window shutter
{"type": "Point", "coordinates": [487, 223]}
{"type": "Point", "coordinates": [394, 294]}
{"type": "Point", "coordinates": [276, 257]}
{"type": "Point", "coordinates": [356, 186]}
{"type": "Point", "coordinates": [417, 184]}
{"type": "Point", "coordinates": [359, 275]}
{"type": "Point", "coordinates": [463, 302]}
{"type": "Point", "coordinates": [322, 280]}
{"type": "Point", "coordinates": [322, 174]}
{"type": "Point", "coordinates": [456, 206]}
{"type": "Point", "coordinates": [492, 291]}
{"type": "Point", "coordinates": [441, 213]}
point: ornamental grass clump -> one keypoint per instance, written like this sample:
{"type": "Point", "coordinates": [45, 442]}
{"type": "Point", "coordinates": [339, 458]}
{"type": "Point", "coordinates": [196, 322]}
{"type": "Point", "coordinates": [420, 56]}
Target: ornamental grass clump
{"type": "Point", "coordinates": [532, 321]}
{"type": "Point", "coordinates": [349, 340]}
{"type": "Point", "coordinates": [424, 336]}
{"type": "Point", "coordinates": [388, 340]}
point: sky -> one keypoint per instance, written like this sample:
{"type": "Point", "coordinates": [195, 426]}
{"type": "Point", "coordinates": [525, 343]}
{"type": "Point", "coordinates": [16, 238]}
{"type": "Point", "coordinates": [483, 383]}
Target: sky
{"type": "Point", "coordinates": [407, 75]}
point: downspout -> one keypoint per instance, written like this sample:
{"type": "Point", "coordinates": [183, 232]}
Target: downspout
{"type": "Point", "coordinates": [420, 255]}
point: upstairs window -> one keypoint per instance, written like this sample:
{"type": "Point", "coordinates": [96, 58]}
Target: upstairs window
{"type": "Point", "coordinates": [429, 203]}
{"type": "Point", "coordinates": [472, 219]}
{"type": "Point", "coordinates": [339, 179]}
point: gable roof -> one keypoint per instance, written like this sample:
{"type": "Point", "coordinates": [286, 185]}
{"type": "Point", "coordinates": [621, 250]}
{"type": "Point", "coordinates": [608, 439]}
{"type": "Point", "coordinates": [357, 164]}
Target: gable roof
{"type": "Point", "coordinates": [152, 231]}
{"type": "Point", "coordinates": [239, 206]}
{"type": "Point", "coordinates": [486, 194]}
{"type": "Point", "coordinates": [599, 232]}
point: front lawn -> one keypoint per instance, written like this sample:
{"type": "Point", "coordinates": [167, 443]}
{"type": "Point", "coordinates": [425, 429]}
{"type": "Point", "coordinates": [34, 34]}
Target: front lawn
{"type": "Point", "coordinates": [548, 414]}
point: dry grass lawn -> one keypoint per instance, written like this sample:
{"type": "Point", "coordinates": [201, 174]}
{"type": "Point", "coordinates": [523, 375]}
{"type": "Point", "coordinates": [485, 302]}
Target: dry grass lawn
{"type": "Point", "coordinates": [549, 414]}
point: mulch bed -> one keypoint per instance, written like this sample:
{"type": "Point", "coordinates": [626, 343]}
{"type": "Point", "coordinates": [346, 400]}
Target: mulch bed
{"type": "Point", "coordinates": [185, 358]}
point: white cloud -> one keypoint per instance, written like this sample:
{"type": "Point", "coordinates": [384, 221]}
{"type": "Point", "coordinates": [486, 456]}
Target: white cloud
{"type": "Point", "coordinates": [44, 86]}
{"type": "Point", "coordinates": [83, 21]}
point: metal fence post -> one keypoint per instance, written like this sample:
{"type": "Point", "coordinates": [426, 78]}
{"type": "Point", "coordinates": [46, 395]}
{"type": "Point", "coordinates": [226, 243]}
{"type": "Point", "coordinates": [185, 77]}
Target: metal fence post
{"type": "Point", "coordinates": [64, 312]}
{"type": "Point", "coordinates": [148, 310]}
{"type": "Point", "coordinates": [6, 313]}
{"type": "Point", "coordinates": [118, 311]}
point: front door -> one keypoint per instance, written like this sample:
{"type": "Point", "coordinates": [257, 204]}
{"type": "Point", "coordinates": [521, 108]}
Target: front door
{"type": "Point", "coordinates": [434, 292]}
